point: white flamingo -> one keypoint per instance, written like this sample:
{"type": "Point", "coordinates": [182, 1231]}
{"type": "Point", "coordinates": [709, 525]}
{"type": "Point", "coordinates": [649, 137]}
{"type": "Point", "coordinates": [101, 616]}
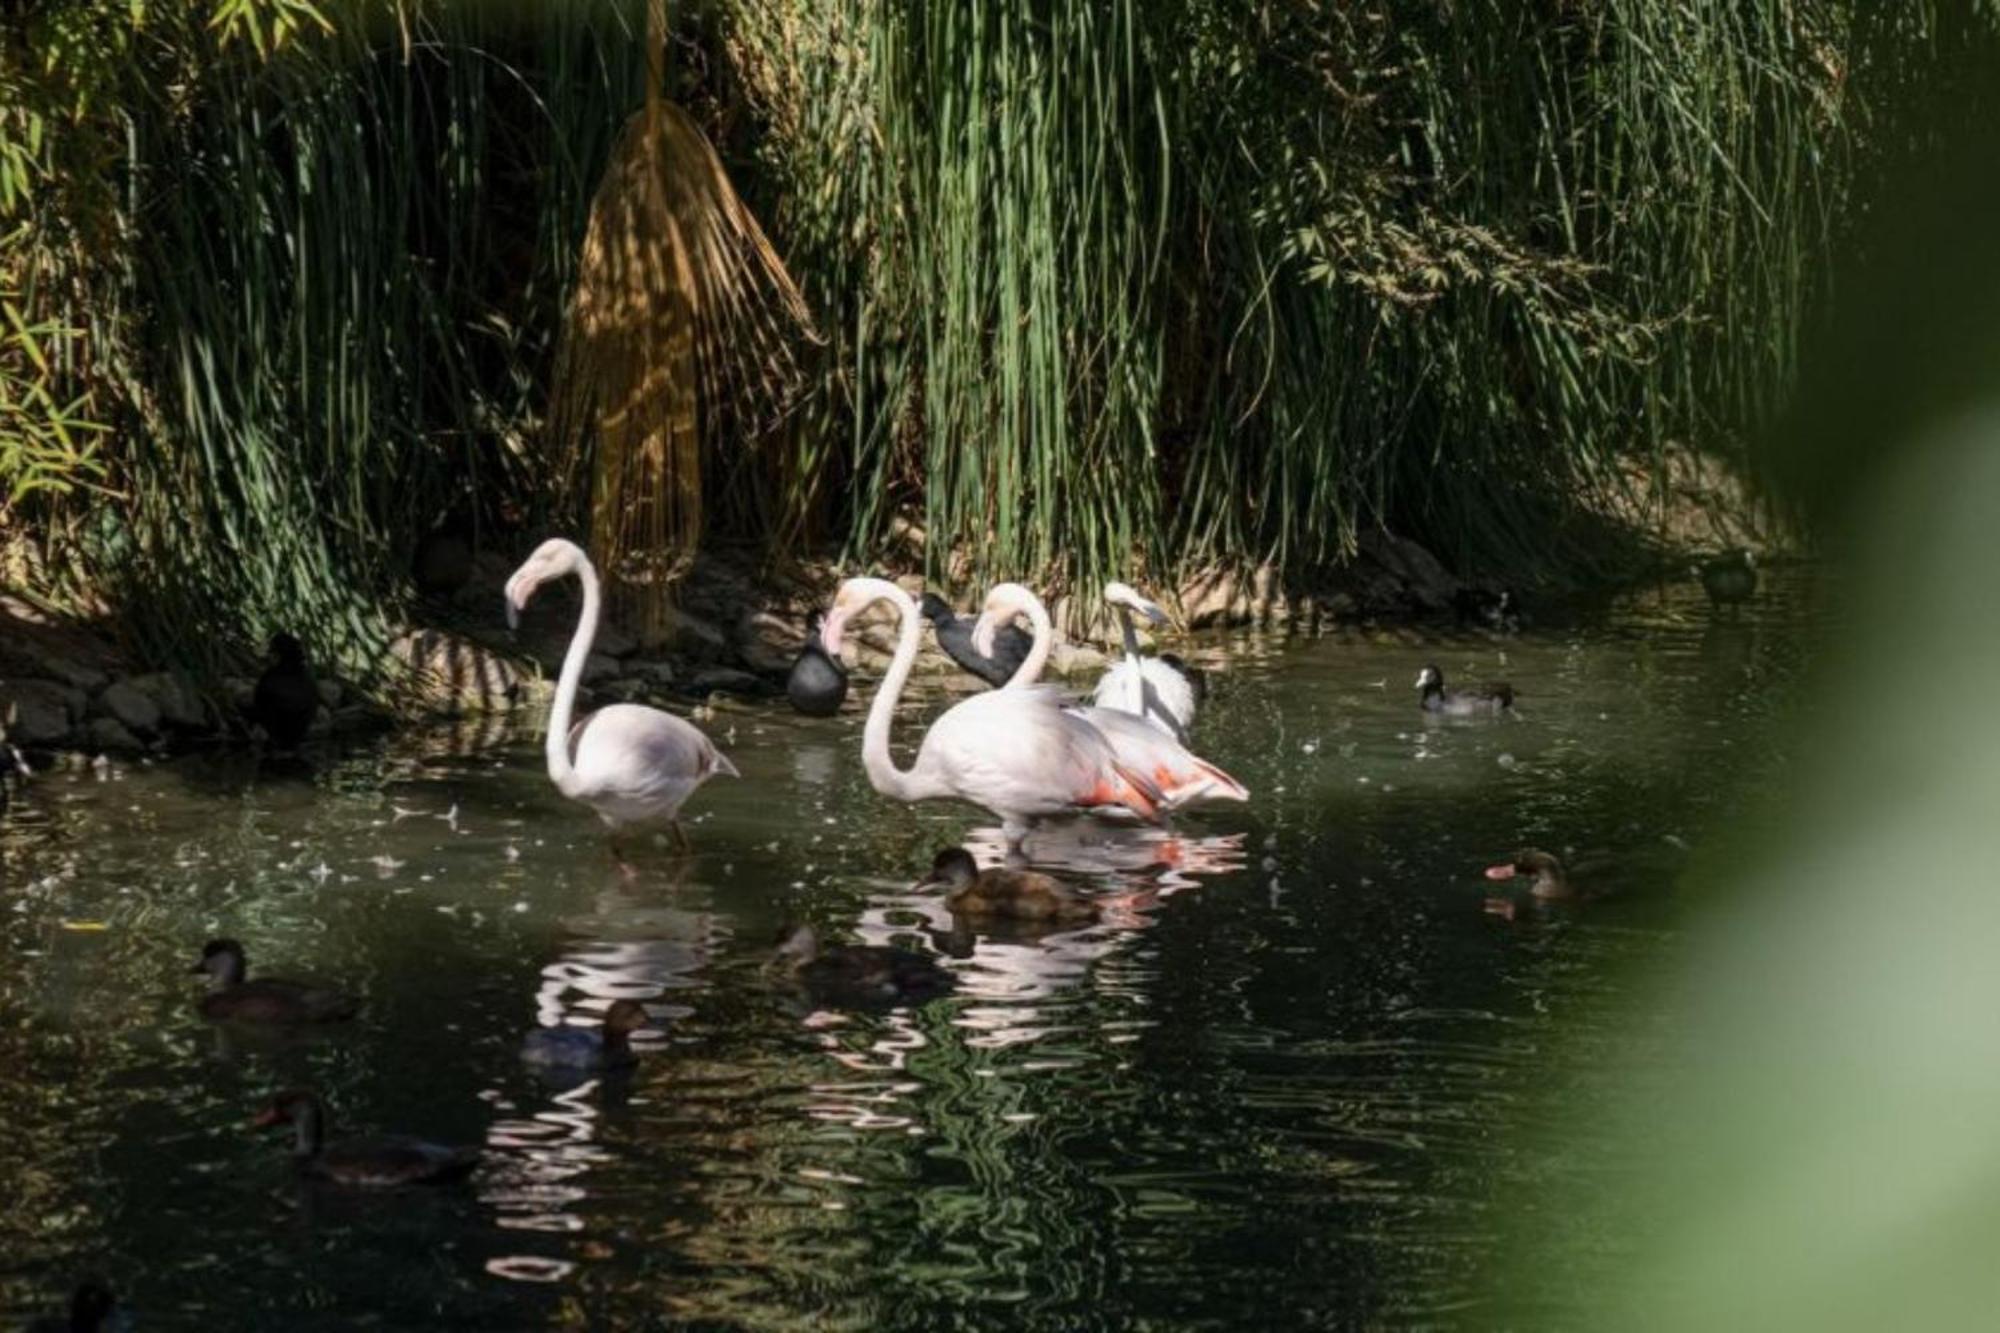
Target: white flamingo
{"type": "Point", "coordinates": [1017, 753]}
{"type": "Point", "coordinates": [1141, 746]}
{"type": "Point", "coordinates": [1148, 686]}
{"type": "Point", "coordinates": [633, 765]}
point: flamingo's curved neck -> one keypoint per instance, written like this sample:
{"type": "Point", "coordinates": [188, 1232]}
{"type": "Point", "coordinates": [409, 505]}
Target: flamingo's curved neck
{"type": "Point", "coordinates": [1042, 644]}
{"type": "Point", "coordinates": [561, 769]}
{"type": "Point", "coordinates": [875, 757]}
{"type": "Point", "coordinates": [1131, 638]}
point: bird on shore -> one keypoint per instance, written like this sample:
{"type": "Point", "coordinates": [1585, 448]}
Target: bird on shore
{"type": "Point", "coordinates": [1003, 893]}
{"type": "Point", "coordinates": [1154, 688]}
{"type": "Point", "coordinates": [996, 664]}
{"type": "Point", "coordinates": [233, 998]}
{"type": "Point", "coordinates": [633, 765]}
{"type": "Point", "coordinates": [287, 697]}
{"type": "Point", "coordinates": [1479, 701]}
{"type": "Point", "coordinates": [382, 1161]}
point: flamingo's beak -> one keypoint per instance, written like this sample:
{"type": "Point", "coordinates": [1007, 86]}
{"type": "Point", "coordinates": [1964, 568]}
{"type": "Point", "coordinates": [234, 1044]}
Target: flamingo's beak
{"type": "Point", "coordinates": [1505, 870]}
{"type": "Point", "coordinates": [720, 764]}
{"type": "Point", "coordinates": [830, 631]}
{"type": "Point", "coordinates": [517, 598]}
{"type": "Point", "coordinates": [1153, 611]}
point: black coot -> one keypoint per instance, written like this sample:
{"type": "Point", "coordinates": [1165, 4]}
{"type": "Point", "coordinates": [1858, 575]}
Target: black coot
{"type": "Point", "coordinates": [817, 685]}
{"type": "Point", "coordinates": [287, 698]}
{"type": "Point", "coordinates": [232, 999]}
{"type": "Point", "coordinates": [1479, 701]}
{"type": "Point", "coordinates": [954, 634]}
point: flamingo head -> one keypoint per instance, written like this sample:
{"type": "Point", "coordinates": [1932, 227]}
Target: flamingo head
{"type": "Point", "coordinates": [1003, 603]}
{"type": "Point", "coordinates": [553, 559]}
{"type": "Point", "coordinates": [1125, 595]}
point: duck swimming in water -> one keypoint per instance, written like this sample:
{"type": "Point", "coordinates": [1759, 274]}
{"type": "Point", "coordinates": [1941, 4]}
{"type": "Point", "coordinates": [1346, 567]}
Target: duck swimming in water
{"type": "Point", "coordinates": [1001, 893]}
{"type": "Point", "coordinates": [380, 1162]}
{"type": "Point", "coordinates": [1550, 884]}
{"type": "Point", "coordinates": [1730, 578]}
{"type": "Point", "coordinates": [1477, 702]}
{"type": "Point", "coordinates": [232, 999]}
{"type": "Point", "coordinates": [859, 975]}
{"type": "Point", "coordinates": [579, 1048]}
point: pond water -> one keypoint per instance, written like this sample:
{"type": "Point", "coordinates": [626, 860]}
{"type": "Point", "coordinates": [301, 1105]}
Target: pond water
{"type": "Point", "coordinates": [1298, 1077]}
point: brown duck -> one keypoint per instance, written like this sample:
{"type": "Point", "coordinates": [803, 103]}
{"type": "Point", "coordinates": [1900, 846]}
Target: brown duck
{"type": "Point", "coordinates": [381, 1162]}
{"type": "Point", "coordinates": [1000, 893]}
{"type": "Point", "coordinates": [1550, 883]}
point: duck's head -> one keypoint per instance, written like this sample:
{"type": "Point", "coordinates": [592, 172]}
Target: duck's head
{"type": "Point", "coordinates": [223, 960]}
{"type": "Point", "coordinates": [1528, 861]}
{"type": "Point", "coordinates": [624, 1017]}
{"type": "Point", "coordinates": [952, 868]}
{"type": "Point", "coordinates": [1003, 603]}
{"type": "Point", "coordinates": [553, 559]}
{"type": "Point", "coordinates": [287, 650]}
{"type": "Point", "coordinates": [1429, 679]}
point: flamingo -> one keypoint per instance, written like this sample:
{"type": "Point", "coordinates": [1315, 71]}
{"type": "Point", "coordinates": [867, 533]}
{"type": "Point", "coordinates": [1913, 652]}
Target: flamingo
{"type": "Point", "coordinates": [1140, 746]}
{"type": "Point", "coordinates": [1016, 752]}
{"type": "Point", "coordinates": [633, 765]}
{"type": "Point", "coordinates": [1148, 686]}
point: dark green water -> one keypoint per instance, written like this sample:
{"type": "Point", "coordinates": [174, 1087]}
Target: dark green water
{"type": "Point", "coordinates": [1303, 1080]}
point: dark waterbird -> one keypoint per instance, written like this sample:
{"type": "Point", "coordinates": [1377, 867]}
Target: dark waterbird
{"type": "Point", "coordinates": [1000, 893]}
{"type": "Point", "coordinates": [91, 1307]}
{"type": "Point", "coordinates": [1550, 882]}
{"type": "Point", "coordinates": [858, 975]}
{"type": "Point", "coordinates": [1480, 700]}
{"type": "Point", "coordinates": [1730, 578]}
{"type": "Point", "coordinates": [817, 685]}
{"type": "Point", "coordinates": [1496, 611]}
{"type": "Point", "coordinates": [583, 1049]}
{"type": "Point", "coordinates": [233, 999]}
{"type": "Point", "coordinates": [287, 697]}
{"type": "Point", "coordinates": [378, 1162]}
{"type": "Point", "coordinates": [1011, 645]}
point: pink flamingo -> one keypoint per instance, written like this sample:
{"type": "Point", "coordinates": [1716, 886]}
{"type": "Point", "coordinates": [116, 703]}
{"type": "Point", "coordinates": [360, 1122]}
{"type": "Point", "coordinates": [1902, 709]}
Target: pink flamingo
{"type": "Point", "coordinates": [1181, 776]}
{"type": "Point", "coordinates": [1017, 753]}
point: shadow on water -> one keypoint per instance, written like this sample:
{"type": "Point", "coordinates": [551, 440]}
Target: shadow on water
{"type": "Point", "coordinates": [1265, 1085]}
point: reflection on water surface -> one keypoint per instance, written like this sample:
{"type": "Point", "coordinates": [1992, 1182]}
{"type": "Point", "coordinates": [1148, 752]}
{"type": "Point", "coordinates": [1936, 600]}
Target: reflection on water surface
{"type": "Point", "coordinates": [1282, 1080]}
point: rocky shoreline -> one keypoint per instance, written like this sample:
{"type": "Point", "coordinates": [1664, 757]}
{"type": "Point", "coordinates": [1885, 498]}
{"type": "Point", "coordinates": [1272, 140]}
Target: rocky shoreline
{"type": "Point", "coordinates": [66, 688]}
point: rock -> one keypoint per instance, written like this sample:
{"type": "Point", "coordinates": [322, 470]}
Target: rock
{"type": "Point", "coordinates": [768, 642]}
{"type": "Point", "coordinates": [131, 705]}
{"type": "Point", "coordinates": [695, 633]}
{"type": "Point", "coordinates": [656, 672]}
{"type": "Point", "coordinates": [34, 712]}
{"type": "Point", "coordinates": [1072, 659]}
{"type": "Point", "coordinates": [108, 733]}
{"type": "Point", "coordinates": [456, 675]}
{"type": "Point", "coordinates": [329, 693]}
{"type": "Point", "coordinates": [1424, 581]}
{"type": "Point", "coordinates": [1228, 597]}
{"type": "Point", "coordinates": [598, 667]}
{"type": "Point", "coordinates": [710, 679]}
{"type": "Point", "coordinates": [613, 641]}
{"type": "Point", "coordinates": [179, 702]}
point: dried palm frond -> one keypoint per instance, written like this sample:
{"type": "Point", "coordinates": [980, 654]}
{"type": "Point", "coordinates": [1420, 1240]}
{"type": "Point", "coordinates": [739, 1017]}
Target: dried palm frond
{"type": "Point", "coordinates": [679, 330]}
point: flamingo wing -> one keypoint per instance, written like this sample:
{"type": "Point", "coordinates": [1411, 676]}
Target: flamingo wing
{"type": "Point", "coordinates": [635, 763]}
{"type": "Point", "coordinates": [1182, 776]}
{"type": "Point", "coordinates": [1020, 752]}
{"type": "Point", "coordinates": [1153, 690]}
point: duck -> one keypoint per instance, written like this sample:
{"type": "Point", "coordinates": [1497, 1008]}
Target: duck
{"type": "Point", "coordinates": [1730, 578]}
{"type": "Point", "coordinates": [999, 892]}
{"type": "Point", "coordinates": [91, 1308]}
{"type": "Point", "coordinates": [287, 698]}
{"type": "Point", "coordinates": [380, 1162]}
{"type": "Point", "coordinates": [1551, 882]}
{"type": "Point", "coordinates": [1496, 611]}
{"type": "Point", "coordinates": [859, 975]}
{"type": "Point", "coordinates": [1496, 697]}
{"type": "Point", "coordinates": [580, 1048]}
{"type": "Point", "coordinates": [954, 634]}
{"type": "Point", "coordinates": [232, 999]}
{"type": "Point", "coordinates": [817, 685]}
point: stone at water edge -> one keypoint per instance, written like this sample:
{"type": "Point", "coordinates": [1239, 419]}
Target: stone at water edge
{"type": "Point", "coordinates": [455, 674]}
{"type": "Point", "coordinates": [769, 642]}
{"type": "Point", "coordinates": [109, 734]}
{"type": "Point", "coordinates": [131, 705]}
{"type": "Point", "coordinates": [34, 712]}
{"type": "Point", "coordinates": [180, 704]}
